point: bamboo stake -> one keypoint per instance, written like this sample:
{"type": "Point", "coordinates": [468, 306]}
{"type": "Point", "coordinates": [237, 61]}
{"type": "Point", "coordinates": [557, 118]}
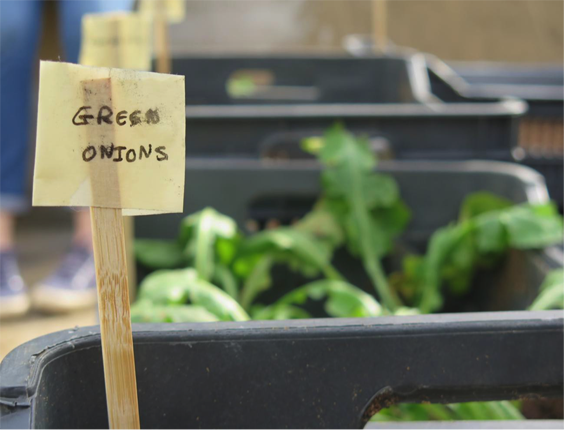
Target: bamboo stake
{"type": "Point", "coordinates": [129, 233]}
{"type": "Point", "coordinates": [379, 25]}
{"type": "Point", "coordinates": [115, 319]}
{"type": "Point", "coordinates": [161, 39]}
{"type": "Point", "coordinates": [110, 259]}
{"type": "Point", "coordinates": [79, 163]}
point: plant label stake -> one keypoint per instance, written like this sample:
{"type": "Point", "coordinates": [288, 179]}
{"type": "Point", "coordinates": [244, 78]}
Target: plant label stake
{"type": "Point", "coordinates": [379, 25]}
{"type": "Point", "coordinates": [113, 140]}
{"type": "Point", "coordinates": [118, 39]}
{"type": "Point", "coordinates": [163, 12]}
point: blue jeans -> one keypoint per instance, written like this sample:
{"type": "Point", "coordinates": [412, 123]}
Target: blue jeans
{"type": "Point", "coordinates": [20, 23]}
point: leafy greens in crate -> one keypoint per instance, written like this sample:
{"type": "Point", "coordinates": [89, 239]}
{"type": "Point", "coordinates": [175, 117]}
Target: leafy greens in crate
{"type": "Point", "coordinates": [213, 272]}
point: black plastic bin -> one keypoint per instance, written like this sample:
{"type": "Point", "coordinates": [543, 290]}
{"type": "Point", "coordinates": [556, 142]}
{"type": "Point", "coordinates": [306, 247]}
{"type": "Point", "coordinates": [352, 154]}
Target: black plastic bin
{"type": "Point", "coordinates": [324, 373]}
{"type": "Point", "coordinates": [541, 131]}
{"type": "Point", "coordinates": [327, 373]}
{"type": "Point", "coordinates": [261, 190]}
{"type": "Point", "coordinates": [381, 97]}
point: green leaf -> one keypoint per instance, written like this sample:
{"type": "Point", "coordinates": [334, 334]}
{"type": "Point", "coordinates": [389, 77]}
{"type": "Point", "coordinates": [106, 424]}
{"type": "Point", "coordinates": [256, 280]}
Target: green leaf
{"type": "Point", "coordinates": [321, 224]}
{"type": "Point", "coordinates": [350, 182]}
{"type": "Point", "coordinates": [257, 281]}
{"type": "Point", "coordinates": [405, 311]}
{"type": "Point", "coordinates": [217, 302]}
{"type": "Point", "coordinates": [533, 227]}
{"type": "Point", "coordinates": [312, 145]}
{"type": "Point", "coordinates": [177, 287]}
{"type": "Point", "coordinates": [207, 237]}
{"type": "Point", "coordinates": [393, 219]}
{"type": "Point", "coordinates": [380, 191]}
{"type": "Point", "coordinates": [145, 311]}
{"type": "Point", "coordinates": [414, 412]}
{"type": "Point", "coordinates": [459, 265]}
{"type": "Point", "coordinates": [343, 300]}
{"type": "Point", "coordinates": [491, 234]}
{"type": "Point", "coordinates": [297, 248]}
{"type": "Point", "coordinates": [241, 86]}
{"type": "Point", "coordinates": [159, 254]}
{"type": "Point", "coordinates": [360, 238]}
{"type": "Point", "coordinates": [441, 245]}
{"type": "Point", "coordinates": [509, 411]}
{"type": "Point", "coordinates": [408, 281]}
{"type": "Point", "coordinates": [551, 295]}
{"type": "Point", "coordinates": [224, 277]}
{"type": "Point", "coordinates": [482, 202]}
{"type": "Point", "coordinates": [167, 287]}
{"type": "Point", "coordinates": [456, 251]}
{"type": "Point", "coordinates": [287, 312]}
{"type": "Point", "coordinates": [486, 411]}
{"type": "Point", "coordinates": [340, 148]}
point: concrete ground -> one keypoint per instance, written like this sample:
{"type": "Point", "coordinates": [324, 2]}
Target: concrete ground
{"type": "Point", "coordinates": [43, 236]}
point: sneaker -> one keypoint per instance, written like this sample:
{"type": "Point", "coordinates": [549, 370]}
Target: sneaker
{"type": "Point", "coordinates": [71, 287]}
{"type": "Point", "coordinates": [14, 300]}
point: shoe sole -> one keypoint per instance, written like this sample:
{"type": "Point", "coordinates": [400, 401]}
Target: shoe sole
{"type": "Point", "coordinates": [12, 307]}
{"type": "Point", "coordinates": [56, 300]}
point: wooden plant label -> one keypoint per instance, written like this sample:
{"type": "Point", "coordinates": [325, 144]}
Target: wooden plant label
{"type": "Point", "coordinates": [120, 149]}
{"type": "Point", "coordinates": [111, 139]}
{"type": "Point", "coordinates": [173, 10]}
{"type": "Point", "coordinates": [379, 26]}
{"type": "Point", "coordinates": [116, 40]}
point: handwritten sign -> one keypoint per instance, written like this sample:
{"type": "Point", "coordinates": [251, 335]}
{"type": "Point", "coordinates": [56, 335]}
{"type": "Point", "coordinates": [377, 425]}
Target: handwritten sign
{"type": "Point", "coordinates": [174, 10]}
{"type": "Point", "coordinates": [117, 39]}
{"type": "Point", "coordinates": [132, 132]}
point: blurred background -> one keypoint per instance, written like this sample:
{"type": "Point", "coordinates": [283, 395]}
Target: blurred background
{"type": "Point", "coordinates": [514, 32]}
{"type": "Point", "coordinates": [433, 85]}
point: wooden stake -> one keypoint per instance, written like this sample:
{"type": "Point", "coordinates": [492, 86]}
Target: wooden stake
{"type": "Point", "coordinates": [129, 232]}
{"type": "Point", "coordinates": [79, 163]}
{"type": "Point", "coordinates": [110, 259]}
{"type": "Point", "coordinates": [115, 319]}
{"type": "Point", "coordinates": [379, 25]}
{"type": "Point", "coordinates": [161, 39]}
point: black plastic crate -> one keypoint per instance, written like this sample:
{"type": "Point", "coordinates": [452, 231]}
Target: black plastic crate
{"type": "Point", "coordinates": [326, 373]}
{"type": "Point", "coordinates": [541, 131]}
{"type": "Point", "coordinates": [381, 97]}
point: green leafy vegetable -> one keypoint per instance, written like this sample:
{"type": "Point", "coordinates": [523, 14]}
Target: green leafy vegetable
{"type": "Point", "coordinates": [551, 294]}
{"type": "Point", "coordinates": [298, 248]}
{"type": "Point", "coordinates": [159, 254]}
{"type": "Point", "coordinates": [362, 211]}
{"type": "Point", "coordinates": [532, 227]}
{"type": "Point", "coordinates": [484, 235]}
{"type": "Point", "coordinates": [353, 191]}
{"type": "Point", "coordinates": [484, 411]}
{"type": "Point", "coordinates": [146, 311]}
{"type": "Point", "coordinates": [258, 279]}
{"type": "Point", "coordinates": [343, 300]}
{"type": "Point", "coordinates": [503, 410]}
{"type": "Point", "coordinates": [482, 202]}
{"type": "Point", "coordinates": [178, 287]}
{"type": "Point", "coordinates": [207, 237]}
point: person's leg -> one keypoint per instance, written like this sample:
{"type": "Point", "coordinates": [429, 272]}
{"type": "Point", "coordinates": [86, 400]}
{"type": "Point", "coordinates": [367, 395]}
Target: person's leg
{"type": "Point", "coordinates": [73, 285]}
{"type": "Point", "coordinates": [19, 32]}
